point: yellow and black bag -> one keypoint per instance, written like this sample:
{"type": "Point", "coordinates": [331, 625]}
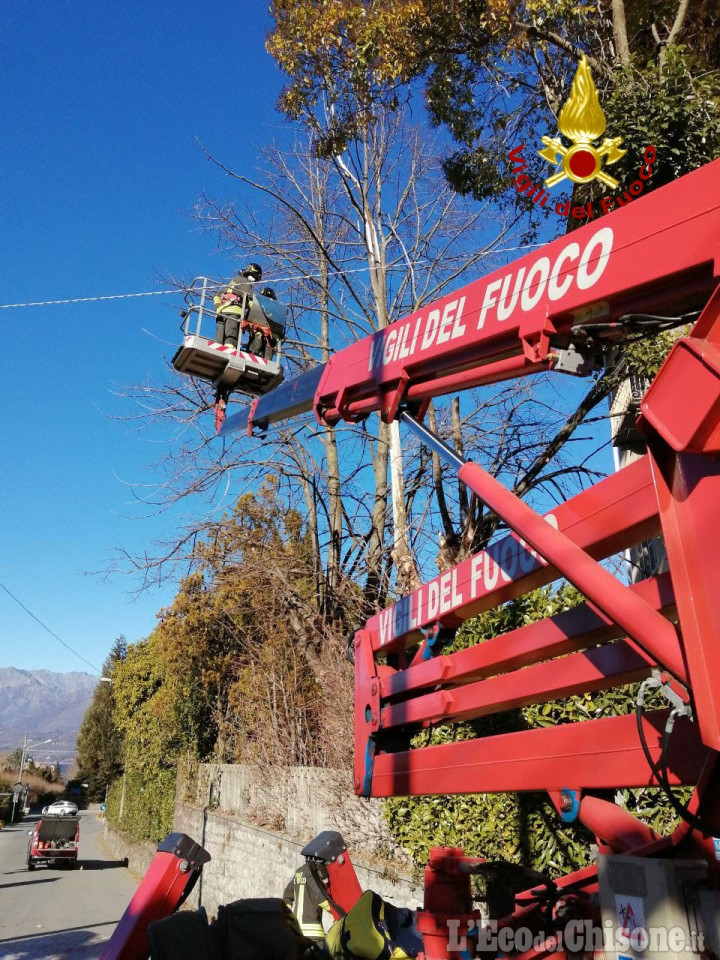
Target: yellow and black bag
{"type": "Point", "coordinates": [366, 933]}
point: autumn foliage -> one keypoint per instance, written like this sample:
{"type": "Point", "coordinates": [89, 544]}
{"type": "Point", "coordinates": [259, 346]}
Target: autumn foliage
{"type": "Point", "coordinates": [233, 671]}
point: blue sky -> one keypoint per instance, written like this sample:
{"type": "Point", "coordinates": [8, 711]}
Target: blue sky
{"type": "Point", "coordinates": [102, 107]}
{"type": "Point", "coordinates": [99, 169]}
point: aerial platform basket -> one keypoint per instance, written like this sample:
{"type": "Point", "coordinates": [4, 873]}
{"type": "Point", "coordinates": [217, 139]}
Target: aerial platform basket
{"type": "Point", "coordinates": [225, 367]}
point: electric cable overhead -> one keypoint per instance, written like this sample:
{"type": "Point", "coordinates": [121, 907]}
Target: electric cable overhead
{"type": "Point", "coordinates": [222, 283]}
{"type": "Point", "coordinates": [48, 630]}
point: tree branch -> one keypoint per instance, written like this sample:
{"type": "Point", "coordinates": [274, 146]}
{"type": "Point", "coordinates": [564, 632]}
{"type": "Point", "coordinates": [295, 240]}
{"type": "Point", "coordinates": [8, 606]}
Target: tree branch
{"type": "Point", "coordinates": [675, 29]}
{"type": "Point", "coordinates": [533, 32]}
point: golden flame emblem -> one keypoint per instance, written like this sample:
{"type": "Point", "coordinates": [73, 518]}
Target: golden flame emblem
{"type": "Point", "coordinates": [582, 121]}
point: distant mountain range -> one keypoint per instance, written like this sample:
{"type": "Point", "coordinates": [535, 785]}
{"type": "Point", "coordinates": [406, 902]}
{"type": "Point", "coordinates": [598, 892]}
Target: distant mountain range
{"type": "Point", "coordinates": [45, 706]}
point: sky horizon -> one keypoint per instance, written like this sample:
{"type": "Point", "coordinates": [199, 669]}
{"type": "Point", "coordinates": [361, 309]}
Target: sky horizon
{"type": "Point", "coordinates": [104, 160]}
{"type": "Point", "coordinates": [105, 110]}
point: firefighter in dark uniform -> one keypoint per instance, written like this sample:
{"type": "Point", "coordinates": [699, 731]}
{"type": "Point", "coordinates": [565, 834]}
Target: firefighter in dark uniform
{"type": "Point", "coordinates": [263, 339]}
{"type": "Point", "coordinates": [307, 898]}
{"type": "Point", "coordinates": [232, 305]}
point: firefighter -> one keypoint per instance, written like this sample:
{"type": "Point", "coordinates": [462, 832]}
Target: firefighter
{"type": "Point", "coordinates": [232, 305]}
{"type": "Point", "coordinates": [263, 339]}
{"type": "Point", "coordinates": [307, 898]}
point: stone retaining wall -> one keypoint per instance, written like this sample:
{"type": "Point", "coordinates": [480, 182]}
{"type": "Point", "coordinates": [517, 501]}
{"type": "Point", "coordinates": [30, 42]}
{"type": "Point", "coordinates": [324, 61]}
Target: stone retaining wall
{"type": "Point", "coordinates": [139, 854]}
{"type": "Point", "coordinates": [255, 825]}
{"type": "Point", "coordinates": [248, 861]}
{"type": "Point", "coordinates": [298, 802]}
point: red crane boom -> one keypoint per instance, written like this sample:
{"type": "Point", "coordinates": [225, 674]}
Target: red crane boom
{"type": "Point", "coordinates": [555, 308]}
{"type": "Point", "coordinates": [659, 253]}
{"type": "Point", "coordinates": [550, 310]}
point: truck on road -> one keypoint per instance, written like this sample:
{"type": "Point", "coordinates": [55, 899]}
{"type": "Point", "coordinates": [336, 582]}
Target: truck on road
{"type": "Point", "coordinates": [54, 839]}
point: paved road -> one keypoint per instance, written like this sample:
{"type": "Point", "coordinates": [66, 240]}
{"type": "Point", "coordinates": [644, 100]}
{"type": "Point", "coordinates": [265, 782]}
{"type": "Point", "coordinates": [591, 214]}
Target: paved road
{"type": "Point", "coordinates": [54, 913]}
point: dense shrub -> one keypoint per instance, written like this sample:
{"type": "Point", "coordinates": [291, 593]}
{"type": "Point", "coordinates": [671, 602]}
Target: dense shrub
{"type": "Point", "coordinates": [5, 802]}
{"type": "Point", "coordinates": [147, 811]}
{"type": "Point", "coordinates": [521, 828]}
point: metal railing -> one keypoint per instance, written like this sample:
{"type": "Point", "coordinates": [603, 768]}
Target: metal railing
{"type": "Point", "coordinates": [196, 299]}
{"type": "Point", "coordinates": [199, 303]}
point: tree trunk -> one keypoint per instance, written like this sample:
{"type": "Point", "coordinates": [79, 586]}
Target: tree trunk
{"type": "Point", "coordinates": [622, 48]}
{"type": "Point", "coordinates": [448, 540]}
{"type": "Point", "coordinates": [408, 577]}
{"type": "Point", "coordinates": [374, 587]}
{"type": "Point", "coordinates": [370, 203]}
{"type": "Point", "coordinates": [456, 425]}
{"type": "Point", "coordinates": [675, 30]}
{"type": "Point", "coordinates": [329, 441]}
{"type": "Point", "coordinates": [335, 514]}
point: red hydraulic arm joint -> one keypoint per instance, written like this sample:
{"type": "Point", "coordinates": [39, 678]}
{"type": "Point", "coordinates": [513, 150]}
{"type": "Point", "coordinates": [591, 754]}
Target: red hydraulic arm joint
{"type": "Point", "coordinates": [447, 917]}
{"type": "Point", "coordinates": [172, 875]}
{"type": "Point", "coordinates": [329, 850]}
{"type": "Point", "coordinates": [343, 886]}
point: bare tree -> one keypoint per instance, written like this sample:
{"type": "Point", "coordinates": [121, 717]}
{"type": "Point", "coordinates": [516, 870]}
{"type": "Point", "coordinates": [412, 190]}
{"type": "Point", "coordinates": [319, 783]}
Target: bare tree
{"type": "Point", "coordinates": [356, 242]}
{"type": "Point", "coordinates": [313, 229]}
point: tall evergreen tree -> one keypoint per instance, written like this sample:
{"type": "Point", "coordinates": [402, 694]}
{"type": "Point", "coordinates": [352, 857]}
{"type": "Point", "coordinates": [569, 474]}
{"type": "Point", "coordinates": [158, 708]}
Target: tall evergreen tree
{"type": "Point", "coordinates": [100, 743]}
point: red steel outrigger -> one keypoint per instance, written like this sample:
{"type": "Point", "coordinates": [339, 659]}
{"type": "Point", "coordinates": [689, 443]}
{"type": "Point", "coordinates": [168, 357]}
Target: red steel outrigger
{"type": "Point", "coordinates": [549, 310]}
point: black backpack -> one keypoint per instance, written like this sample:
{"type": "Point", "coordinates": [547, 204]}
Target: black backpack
{"type": "Point", "coordinates": [183, 936]}
{"type": "Point", "coordinates": [260, 929]}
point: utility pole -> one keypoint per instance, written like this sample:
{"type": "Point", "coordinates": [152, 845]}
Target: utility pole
{"type": "Point", "coordinates": [17, 789]}
{"type": "Point", "coordinates": [24, 753]}
{"type": "Point", "coordinates": [122, 799]}
{"type": "Point", "coordinates": [22, 759]}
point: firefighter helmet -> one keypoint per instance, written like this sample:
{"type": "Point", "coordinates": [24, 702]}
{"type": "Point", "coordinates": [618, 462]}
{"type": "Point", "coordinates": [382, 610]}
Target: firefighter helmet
{"type": "Point", "coordinates": [268, 292]}
{"type": "Point", "coordinates": [253, 270]}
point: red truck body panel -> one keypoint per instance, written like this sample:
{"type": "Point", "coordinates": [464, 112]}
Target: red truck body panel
{"type": "Point", "coordinates": [54, 839]}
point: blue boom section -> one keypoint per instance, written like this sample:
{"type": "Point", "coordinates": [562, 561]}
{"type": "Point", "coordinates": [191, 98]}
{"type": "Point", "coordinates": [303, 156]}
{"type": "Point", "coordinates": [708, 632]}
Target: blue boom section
{"type": "Point", "coordinates": [288, 400]}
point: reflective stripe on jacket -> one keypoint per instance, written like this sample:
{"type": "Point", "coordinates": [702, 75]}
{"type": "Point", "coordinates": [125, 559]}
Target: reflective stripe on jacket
{"type": "Point", "coordinates": [307, 899]}
{"type": "Point", "coordinates": [230, 301]}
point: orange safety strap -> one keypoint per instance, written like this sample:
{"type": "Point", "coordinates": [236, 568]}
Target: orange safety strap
{"type": "Point", "coordinates": [266, 331]}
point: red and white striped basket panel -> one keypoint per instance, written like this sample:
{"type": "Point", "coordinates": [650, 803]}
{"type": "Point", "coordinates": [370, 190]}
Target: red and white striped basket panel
{"type": "Point", "coordinates": [231, 352]}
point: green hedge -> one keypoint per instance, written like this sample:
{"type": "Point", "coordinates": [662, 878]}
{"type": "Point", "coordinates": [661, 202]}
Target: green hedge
{"type": "Point", "coordinates": [148, 808]}
{"type": "Point", "coordinates": [521, 828]}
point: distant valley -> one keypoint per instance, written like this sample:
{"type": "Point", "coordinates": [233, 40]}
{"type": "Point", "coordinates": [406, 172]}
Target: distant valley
{"type": "Point", "coordinates": [45, 706]}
